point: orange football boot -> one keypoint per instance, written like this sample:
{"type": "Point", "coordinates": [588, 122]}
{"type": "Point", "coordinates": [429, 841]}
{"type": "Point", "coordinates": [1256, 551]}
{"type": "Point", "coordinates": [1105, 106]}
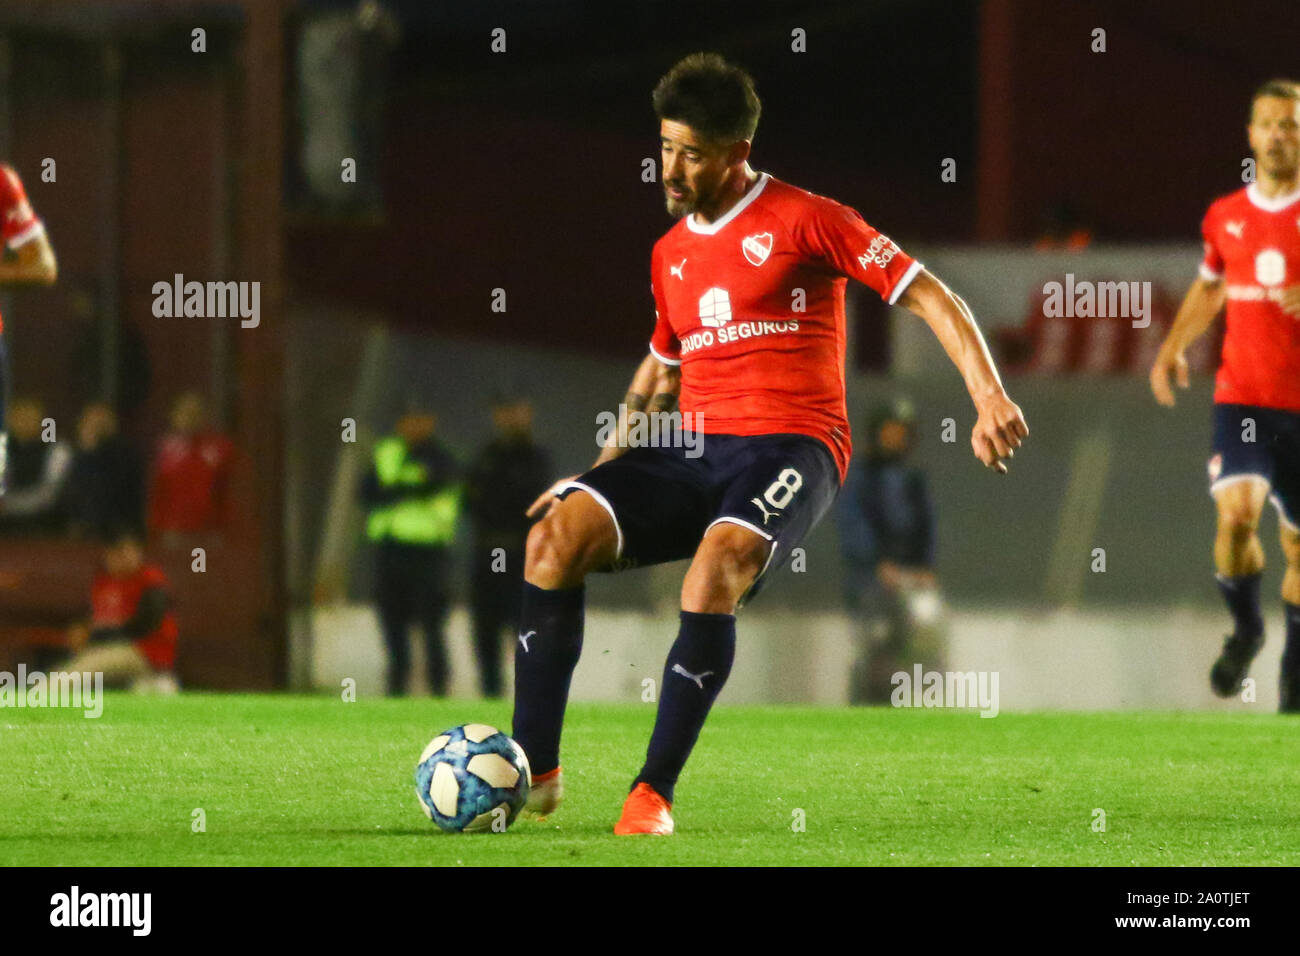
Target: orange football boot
{"type": "Point", "coordinates": [644, 811]}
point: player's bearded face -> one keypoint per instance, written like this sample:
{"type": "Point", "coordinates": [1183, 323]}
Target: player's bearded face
{"type": "Point", "coordinates": [693, 174]}
{"type": "Point", "coordinates": [692, 193]}
{"type": "Point", "coordinates": [1275, 135]}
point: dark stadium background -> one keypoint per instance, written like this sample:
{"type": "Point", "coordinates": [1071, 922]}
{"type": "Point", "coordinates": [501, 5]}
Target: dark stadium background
{"type": "Point", "coordinates": [522, 171]}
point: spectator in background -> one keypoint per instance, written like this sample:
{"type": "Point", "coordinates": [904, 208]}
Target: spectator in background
{"type": "Point", "coordinates": [37, 472]}
{"type": "Point", "coordinates": [413, 494]}
{"type": "Point", "coordinates": [503, 481]}
{"type": "Point", "coordinates": [1063, 228]}
{"type": "Point", "coordinates": [191, 474]}
{"type": "Point", "coordinates": [105, 488]}
{"type": "Point", "coordinates": [886, 525]}
{"type": "Point", "coordinates": [132, 632]}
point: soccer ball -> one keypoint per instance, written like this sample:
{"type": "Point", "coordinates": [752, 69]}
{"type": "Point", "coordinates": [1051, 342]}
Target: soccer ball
{"type": "Point", "coordinates": [472, 778]}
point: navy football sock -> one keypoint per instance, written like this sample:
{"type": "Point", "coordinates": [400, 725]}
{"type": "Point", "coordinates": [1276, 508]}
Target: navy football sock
{"type": "Point", "coordinates": [1291, 653]}
{"type": "Point", "coordinates": [1242, 597]}
{"type": "Point", "coordinates": [546, 652]}
{"type": "Point", "coordinates": [694, 673]}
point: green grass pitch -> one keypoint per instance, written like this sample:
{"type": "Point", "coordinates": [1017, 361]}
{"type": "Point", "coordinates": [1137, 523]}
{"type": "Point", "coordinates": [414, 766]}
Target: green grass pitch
{"type": "Point", "coordinates": [285, 780]}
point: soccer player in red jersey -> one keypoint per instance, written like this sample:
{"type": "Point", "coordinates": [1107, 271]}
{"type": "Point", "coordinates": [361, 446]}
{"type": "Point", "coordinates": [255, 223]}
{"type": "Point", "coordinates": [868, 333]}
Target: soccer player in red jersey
{"type": "Point", "coordinates": [190, 490]}
{"type": "Point", "coordinates": [28, 260]}
{"type": "Point", "coordinates": [1252, 262]}
{"type": "Point", "coordinates": [749, 337]}
{"type": "Point", "coordinates": [131, 636]}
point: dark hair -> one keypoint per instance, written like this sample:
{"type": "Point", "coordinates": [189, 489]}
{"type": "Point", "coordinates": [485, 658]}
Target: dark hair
{"type": "Point", "coordinates": [711, 96]}
{"type": "Point", "coordinates": [1286, 89]}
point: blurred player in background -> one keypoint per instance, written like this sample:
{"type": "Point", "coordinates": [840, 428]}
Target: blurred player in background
{"type": "Point", "coordinates": [132, 632]}
{"type": "Point", "coordinates": [502, 481]}
{"type": "Point", "coordinates": [885, 519]}
{"type": "Point", "coordinates": [28, 260]}
{"type": "Point", "coordinates": [190, 489]}
{"type": "Point", "coordinates": [105, 487]}
{"type": "Point", "coordinates": [1252, 262]}
{"type": "Point", "coordinates": [748, 290]}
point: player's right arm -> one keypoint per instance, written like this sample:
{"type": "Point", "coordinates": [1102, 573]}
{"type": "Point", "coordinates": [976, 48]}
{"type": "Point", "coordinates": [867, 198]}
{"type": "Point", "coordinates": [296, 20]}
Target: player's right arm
{"type": "Point", "coordinates": [1202, 303]}
{"type": "Point", "coordinates": [654, 388]}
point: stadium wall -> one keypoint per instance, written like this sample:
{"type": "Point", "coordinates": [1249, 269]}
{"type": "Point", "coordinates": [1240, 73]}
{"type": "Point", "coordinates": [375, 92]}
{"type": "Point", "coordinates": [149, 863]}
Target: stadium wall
{"type": "Point", "coordinates": [1073, 660]}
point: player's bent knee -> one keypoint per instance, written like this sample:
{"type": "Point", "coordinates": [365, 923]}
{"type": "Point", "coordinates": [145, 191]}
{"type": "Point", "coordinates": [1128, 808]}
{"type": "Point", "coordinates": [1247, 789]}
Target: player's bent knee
{"type": "Point", "coordinates": [745, 559]}
{"type": "Point", "coordinates": [729, 560]}
{"type": "Point", "coordinates": [570, 541]}
{"type": "Point", "coordinates": [1239, 507]}
{"type": "Point", "coordinates": [1238, 515]}
{"type": "Point", "coordinates": [548, 554]}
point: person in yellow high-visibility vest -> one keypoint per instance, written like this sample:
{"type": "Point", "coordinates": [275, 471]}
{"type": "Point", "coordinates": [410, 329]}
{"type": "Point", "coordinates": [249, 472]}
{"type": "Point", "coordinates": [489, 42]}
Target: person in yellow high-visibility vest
{"type": "Point", "coordinates": [413, 494]}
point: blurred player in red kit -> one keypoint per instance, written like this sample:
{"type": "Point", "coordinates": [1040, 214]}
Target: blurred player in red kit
{"type": "Point", "coordinates": [190, 490]}
{"type": "Point", "coordinates": [28, 260]}
{"type": "Point", "coordinates": [1252, 262]}
{"type": "Point", "coordinates": [131, 636]}
{"type": "Point", "coordinates": [749, 337]}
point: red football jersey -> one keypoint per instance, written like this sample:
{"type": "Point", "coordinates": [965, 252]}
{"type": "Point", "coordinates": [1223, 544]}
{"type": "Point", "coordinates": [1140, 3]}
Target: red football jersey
{"type": "Point", "coordinates": [752, 308]}
{"type": "Point", "coordinates": [1253, 244]}
{"type": "Point", "coordinates": [18, 224]}
{"type": "Point", "coordinates": [114, 601]}
{"type": "Point", "coordinates": [191, 483]}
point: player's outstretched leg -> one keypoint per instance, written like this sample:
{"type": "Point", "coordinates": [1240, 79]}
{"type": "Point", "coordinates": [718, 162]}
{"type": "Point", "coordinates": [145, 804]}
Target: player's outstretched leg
{"type": "Point", "coordinates": [1239, 560]}
{"type": "Point", "coordinates": [726, 563]}
{"type": "Point", "coordinates": [576, 536]}
{"type": "Point", "coordinates": [1290, 677]}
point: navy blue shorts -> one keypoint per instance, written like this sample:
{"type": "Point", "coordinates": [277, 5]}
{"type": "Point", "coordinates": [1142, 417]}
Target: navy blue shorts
{"type": "Point", "coordinates": [1273, 456]}
{"type": "Point", "coordinates": [663, 501]}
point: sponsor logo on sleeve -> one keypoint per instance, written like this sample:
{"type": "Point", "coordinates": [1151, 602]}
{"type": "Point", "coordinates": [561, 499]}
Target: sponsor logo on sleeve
{"type": "Point", "coordinates": [880, 252]}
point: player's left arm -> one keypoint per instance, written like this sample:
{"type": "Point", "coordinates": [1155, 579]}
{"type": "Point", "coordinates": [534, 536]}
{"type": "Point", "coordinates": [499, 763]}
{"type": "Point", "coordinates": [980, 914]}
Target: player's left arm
{"type": "Point", "coordinates": [32, 263]}
{"type": "Point", "coordinates": [1000, 426]}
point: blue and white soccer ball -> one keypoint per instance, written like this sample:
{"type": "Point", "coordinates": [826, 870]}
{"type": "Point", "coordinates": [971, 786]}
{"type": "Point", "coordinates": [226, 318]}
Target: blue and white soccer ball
{"type": "Point", "coordinates": [472, 778]}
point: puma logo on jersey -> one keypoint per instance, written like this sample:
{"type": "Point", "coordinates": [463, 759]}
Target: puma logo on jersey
{"type": "Point", "coordinates": [523, 639]}
{"type": "Point", "coordinates": [698, 678]}
{"type": "Point", "coordinates": [1234, 227]}
{"type": "Point", "coordinates": [677, 270]}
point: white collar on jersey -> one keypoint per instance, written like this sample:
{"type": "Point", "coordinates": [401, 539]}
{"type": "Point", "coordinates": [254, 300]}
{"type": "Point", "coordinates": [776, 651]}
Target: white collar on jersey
{"type": "Point", "coordinates": [1276, 204]}
{"type": "Point", "coordinates": [731, 213]}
